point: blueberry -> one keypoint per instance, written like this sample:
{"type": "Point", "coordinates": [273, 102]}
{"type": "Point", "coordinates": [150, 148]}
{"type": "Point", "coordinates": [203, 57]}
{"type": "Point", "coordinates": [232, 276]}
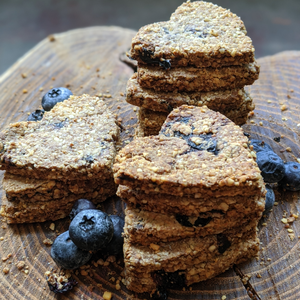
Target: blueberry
{"type": "Point", "coordinates": [259, 145]}
{"type": "Point", "coordinates": [80, 205]}
{"type": "Point", "coordinates": [169, 280]}
{"type": "Point", "coordinates": [91, 229]}
{"type": "Point", "coordinates": [36, 115]}
{"type": "Point", "coordinates": [54, 96]}
{"type": "Point", "coordinates": [223, 243]}
{"type": "Point", "coordinates": [291, 179]}
{"type": "Point", "coordinates": [270, 165]}
{"type": "Point", "coordinates": [116, 244]}
{"type": "Point", "coordinates": [66, 254]}
{"type": "Point", "coordinates": [270, 198]}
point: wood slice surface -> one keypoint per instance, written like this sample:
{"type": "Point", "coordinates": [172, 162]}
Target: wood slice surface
{"type": "Point", "coordinates": [90, 60]}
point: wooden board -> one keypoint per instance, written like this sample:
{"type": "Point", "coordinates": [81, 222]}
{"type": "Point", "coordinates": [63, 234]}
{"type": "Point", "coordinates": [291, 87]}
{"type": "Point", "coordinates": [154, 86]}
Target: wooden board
{"type": "Point", "coordinates": [88, 61]}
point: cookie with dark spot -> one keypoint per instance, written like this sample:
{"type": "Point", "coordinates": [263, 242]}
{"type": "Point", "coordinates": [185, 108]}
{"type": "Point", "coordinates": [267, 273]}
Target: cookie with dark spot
{"type": "Point", "coordinates": [145, 227]}
{"type": "Point", "coordinates": [197, 151]}
{"type": "Point", "coordinates": [76, 139]}
{"type": "Point", "coordinates": [198, 34]}
{"type": "Point", "coordinates": [177, 264]}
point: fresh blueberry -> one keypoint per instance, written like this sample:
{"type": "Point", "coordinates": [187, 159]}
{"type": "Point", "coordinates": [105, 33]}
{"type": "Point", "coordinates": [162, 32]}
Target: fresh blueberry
{"type": "Point", "coordinates": [259, 145]}
{"type": "Point", "coordinates": [66, 254]}
{"type": "Point", "coordinates": [80, 205]}
{"type": "Point", "coordinates": [36, 115]}
{"type": "Point", "coordinates": [270, 165]}
{"type": "Point", "coordinates": [270, 198]}
{"type": "Point", "coordinates": [116, 244]}
{"type": "Point", "coordinates": [54, 96]}
{"type": "Point", "coordinates": [91, 229]}
{"type": "Point", "coordinates": [291, 179]}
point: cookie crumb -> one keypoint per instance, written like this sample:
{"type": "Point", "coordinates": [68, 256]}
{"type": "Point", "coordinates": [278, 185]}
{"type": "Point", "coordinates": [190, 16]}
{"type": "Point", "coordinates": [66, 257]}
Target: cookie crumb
{"type": "Point", "coordinates": [47, 242]}
{"type": "Point", "coordinates": [51, 38]}
{"type": "Point", "coordinates": [24, 75]}
{"type": "Point", "coordinates": [5, 270]}
{"type": "Point", "coordinates": [7, 257]}
{"type": "Point", "coordinates": [52, 226]}
{"type": "Point", "coordinates": [25, 91]}
{"type": "Point", "coordinates": [107, 295]}
{"type": "Point", "coordinates": [20, 264]}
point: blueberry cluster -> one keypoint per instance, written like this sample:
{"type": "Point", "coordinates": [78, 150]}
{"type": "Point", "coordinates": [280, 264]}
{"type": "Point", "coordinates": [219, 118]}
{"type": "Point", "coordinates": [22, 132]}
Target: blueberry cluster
{"type": "Point", "coordinates": [274, 170]}
{"type": "Point", "coordinates": [49, 100]}
{"type": "Point", "coordinates": [90, 230]}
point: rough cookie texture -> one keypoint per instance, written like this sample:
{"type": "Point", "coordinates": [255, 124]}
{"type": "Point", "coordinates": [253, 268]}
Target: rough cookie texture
{"type": "Point", "coordinates": [191, 139]}
{"type": "Point", "coordinates": [31, 212]}
{"type": "Point", "coordinates": [191, 205]}
{"type": "Point", "coordinates": [75, 140]}
{"type": "Point", "coordinates": [221, 101]}
{"type": "Point", "coordinates": [191, 79]}
{"type": "Point", "coordinates": [18, 188]}
{"type": "Point", "coordinates": [150, 122]}
{"type": "Point", "coordinates": [196, 259]}
{"type": "Point", "coordinates": [198, 34]}
{"type": "Point", "coordinates": [145, 227]}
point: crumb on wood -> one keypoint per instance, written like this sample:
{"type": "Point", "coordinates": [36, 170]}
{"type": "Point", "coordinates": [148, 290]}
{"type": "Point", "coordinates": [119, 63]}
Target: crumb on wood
{"type": "Point", "coordinates": [107, 295]}
{"type": "Point", "coordinates": [52, 226]}
{"type": "Point", "coordinates": [5, 270]}
{"type": "Point", "coordinates": [47, 242]}
{"type": "Point", "coordinates": [7, 257]}
{"type": "Point", "coordinates": [20, 264]}
{"type": "Point", "coordinates": [283, 107]}
{"type": "Point", "coordinates": [25, 91]}
{"type": "Point", "coordinates": [24, 75]}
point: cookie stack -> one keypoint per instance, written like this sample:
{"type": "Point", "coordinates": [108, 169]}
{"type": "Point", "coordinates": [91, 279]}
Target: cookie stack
{"type": "Point", "coordinates": [201, 56]}
{"type": "Point", "coordinates": [50, 164]}
{"type": "Point", "coordinates": [194, 197]}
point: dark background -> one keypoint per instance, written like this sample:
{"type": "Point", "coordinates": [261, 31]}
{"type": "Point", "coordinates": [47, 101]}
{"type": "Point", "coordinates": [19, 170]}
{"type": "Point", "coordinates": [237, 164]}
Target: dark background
{"type": "Point", "coordinates": [273, 25]}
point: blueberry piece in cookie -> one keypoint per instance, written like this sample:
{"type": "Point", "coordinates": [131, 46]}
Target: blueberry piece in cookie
{"type": "Point", "coordinates": [54, 96]}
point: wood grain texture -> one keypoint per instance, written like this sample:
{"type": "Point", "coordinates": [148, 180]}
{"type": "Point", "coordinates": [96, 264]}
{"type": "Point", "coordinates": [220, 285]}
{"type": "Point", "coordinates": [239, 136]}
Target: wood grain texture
{"type": "Point", "coordinates": [87, 61]}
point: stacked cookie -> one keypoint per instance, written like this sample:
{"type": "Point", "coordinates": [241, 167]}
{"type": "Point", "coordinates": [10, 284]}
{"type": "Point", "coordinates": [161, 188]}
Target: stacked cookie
{"type": "Point", "coordinates": [201, 56]}
{"type": "Point", "coordinates": [194, 197]}
{"type": "Point", "coordinates": [50, 164]}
